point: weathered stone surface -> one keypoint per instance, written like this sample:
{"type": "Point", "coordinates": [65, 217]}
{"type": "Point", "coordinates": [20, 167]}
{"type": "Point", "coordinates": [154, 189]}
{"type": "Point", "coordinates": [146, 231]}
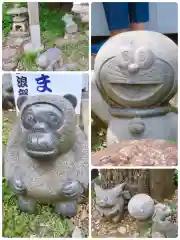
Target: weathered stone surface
{"type": "Point", "coordinates": [138, 153]}
{"type": "Point", "coordinates": [168, 229]}
{"type": "Point", "coordinates": [110, 203]}
{"type": "Point", "coordinates": [10, 66]}
{"type": "Point", "coordinates": [149, 127]}
{"type": "Point", "coordinates": [162, 211]}
{"type": "Point", "coordinates": [8, 53]}
{"type": "Point", "coordinates": [14, 42]}
{"type": "Point", "coordinates": [30, 48]}
{"type": "Point", "coordinates": [68, 67]}
{"type": "Point", "coordinates": [137, 78]}
{"type": "Point", "coordinates": [43, 166]}
{"type": "Point", "coordinates": [17, 11]}
{"type": "Point", "coordinates": [76, 233]}
{"type": "Point", "coordinates": [98, 105]}
{"type": "Point", "coordinates": [50, 60]}
{"type": "Point", "coordinates": [70, 25]}
{"type": "Point", "coordinates": [157, 235]}
{"type": "Point", "coordinates": [141, 207]}
{"type": "Point", "coordinates": [19, 34]}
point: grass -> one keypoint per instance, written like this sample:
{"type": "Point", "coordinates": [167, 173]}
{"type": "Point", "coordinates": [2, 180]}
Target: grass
{"type": "Point", "coordinates": [45, 223]}
{"type": "Point", "coordinates": [52, 27]}
{"type": "Point", "coordinates": [98, 135]}
{"type": "Point", "coordinates": [27, 61]}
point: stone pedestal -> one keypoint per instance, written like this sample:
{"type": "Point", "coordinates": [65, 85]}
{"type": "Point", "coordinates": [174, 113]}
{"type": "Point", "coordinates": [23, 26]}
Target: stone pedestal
{"type": "Point", "coordinates": [136, 74]}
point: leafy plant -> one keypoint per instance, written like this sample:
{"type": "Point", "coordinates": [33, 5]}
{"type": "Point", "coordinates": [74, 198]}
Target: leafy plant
{"type": "Point", "coordinates": [176, 177]}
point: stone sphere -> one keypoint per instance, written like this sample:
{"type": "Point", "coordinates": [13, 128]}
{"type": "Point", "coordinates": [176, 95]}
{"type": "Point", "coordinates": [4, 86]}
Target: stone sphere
{"type": "Point", "coordinates": [137, 69]}
{"type": "Point", "coordinates": [141, 207]}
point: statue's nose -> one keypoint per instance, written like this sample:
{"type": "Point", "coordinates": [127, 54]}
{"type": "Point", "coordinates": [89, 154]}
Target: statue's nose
{"type": "Point", "coordinates": [133, 68]}
{"type": "Point", "coordinates": [40, 127]}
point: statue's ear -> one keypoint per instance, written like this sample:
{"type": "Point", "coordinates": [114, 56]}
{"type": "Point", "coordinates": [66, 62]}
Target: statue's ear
{"type": "Point", "coordinates": [21, 100]}
{"type": "Point", "coordinates": [72, 99]}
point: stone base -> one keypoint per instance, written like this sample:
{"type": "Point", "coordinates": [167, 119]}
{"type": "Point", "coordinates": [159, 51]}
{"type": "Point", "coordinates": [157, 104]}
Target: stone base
{"type": "Point", "coordinates": [19, 34]}
{"type": "Point", "coordinates": [9, 66]}
{"type": "Point", "coordinates": [30, 48]}
{"type": "Point", "coordinates": [160, 127]}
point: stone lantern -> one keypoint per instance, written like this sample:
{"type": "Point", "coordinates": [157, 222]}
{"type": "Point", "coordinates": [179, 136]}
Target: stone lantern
{"type": "Point", "coordinates": [20, 21]}
{"type": "Point", "coordinates": [136, 75]}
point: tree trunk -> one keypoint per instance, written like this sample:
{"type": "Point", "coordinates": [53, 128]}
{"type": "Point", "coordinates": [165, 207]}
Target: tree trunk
{"type": "Point", "coordinates": [137, 180]}
{"type": "Point", "coordinates": [59, 5]}
{"type": "Point", "coordinates": [161, 183]}
{"type": "Point", "coordinates": [158, 183]}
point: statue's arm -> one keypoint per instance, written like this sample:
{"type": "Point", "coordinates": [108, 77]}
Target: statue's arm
{"type": "Point", "coordinates": [11, 158]}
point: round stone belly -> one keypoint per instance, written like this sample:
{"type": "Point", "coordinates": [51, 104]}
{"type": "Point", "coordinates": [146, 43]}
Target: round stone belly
{"type": "Point", "coordinates": [44, 181]}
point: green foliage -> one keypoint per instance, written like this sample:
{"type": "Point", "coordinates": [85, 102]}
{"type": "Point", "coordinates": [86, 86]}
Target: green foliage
{"type": "Point", "coordinates": [45, 223]}
{"type": "Point", "coordinates": [6, 131]}
{"type": "Point", "coordinates": [172, 207]}
{"type": "Point", "coordinates": [176, 177]}
{"type": "Point", "coordinates": [7, 20]}
{"type": "Point", "coordinates": [27, 61]}
{"type": "Point", "coordinates": [51, 21]}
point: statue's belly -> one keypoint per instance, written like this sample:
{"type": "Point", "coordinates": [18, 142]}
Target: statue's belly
{"type": "Point", "coordinates": [44, 181]}
{"type": "Point", "coordinates": [160, 127]}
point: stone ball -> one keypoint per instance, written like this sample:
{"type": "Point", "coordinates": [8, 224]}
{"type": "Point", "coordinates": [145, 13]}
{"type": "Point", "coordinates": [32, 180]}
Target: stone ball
{"type": "Point", "coordinates": [141, 207]}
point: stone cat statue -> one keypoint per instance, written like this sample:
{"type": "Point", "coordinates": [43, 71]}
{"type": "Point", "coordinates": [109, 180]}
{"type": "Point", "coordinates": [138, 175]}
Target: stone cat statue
{"type": "Point", "coordinates": [110, 203]}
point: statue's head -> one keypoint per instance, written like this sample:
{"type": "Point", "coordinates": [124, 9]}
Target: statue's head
{"type": "Point", "coordinates": [138, 69]}
{"type": "Point", "coordinates": [48, 124]}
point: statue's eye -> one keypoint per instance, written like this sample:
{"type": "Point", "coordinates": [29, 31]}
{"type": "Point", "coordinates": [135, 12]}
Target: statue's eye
{"type": "Point", "coordinates": [125, 57]}
{"type": "Point", "coordinates": [144, 57]}
{"type": "Point", "coordinates": [53, 119]}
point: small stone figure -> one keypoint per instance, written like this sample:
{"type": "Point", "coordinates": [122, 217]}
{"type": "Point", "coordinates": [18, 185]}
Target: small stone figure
{"type": "Point", "coordinates": [82, 9]}
{"type": "Point", "coordinates": [20, 22]}
{"type": "Point", "coordinates": [136, 74]}
{"type": "Point", "coordinates": [161, 224]}
{"type": "Point", "coordinates": [50, 60]}
{"type": "Point", "coordinates": [110, 203]}
{"type": "Point", "coordinates": [46, 158]}
{"type": "Point", "coordinates": [141, 206]}
{"type": "Point", "coordinates": [70, 26]}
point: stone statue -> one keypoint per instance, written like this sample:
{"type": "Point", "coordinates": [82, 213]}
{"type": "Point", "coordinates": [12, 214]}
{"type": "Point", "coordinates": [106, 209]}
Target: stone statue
{"type": "Point", "coordinates": [110, 203]}
{"type": "Point", "coordinates": [141, 206]}
{"type": "Point", "coordinates": [46, 158]}
{"type": "Point", "coordinates": [50, 60]}
{"type": "Point", "coordinates": [162, 222]}
{"type": "Point", "coordinates": [136, 74]}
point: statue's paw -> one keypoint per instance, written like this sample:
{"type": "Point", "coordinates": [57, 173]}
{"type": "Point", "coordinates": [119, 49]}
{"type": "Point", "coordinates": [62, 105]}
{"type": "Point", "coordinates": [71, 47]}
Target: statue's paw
{"type": "Point", "coordinates": [72, 190]}
{"type": "Point", "coordinates": [26, 205]}
{"type": "Point", "coordinates": [18, 186]}
{"type": "Point", "coordinates": [67, 209]}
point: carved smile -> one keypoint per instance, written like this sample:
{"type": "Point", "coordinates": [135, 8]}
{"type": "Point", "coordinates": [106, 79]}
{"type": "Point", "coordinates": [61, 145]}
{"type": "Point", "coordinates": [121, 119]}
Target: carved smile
{"type": "Point", "coordinates": [41, 154]}
{"type": "Point", "coordinates": [41, 144]}
{"type": "Point", "coordinates": [136, 89]}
